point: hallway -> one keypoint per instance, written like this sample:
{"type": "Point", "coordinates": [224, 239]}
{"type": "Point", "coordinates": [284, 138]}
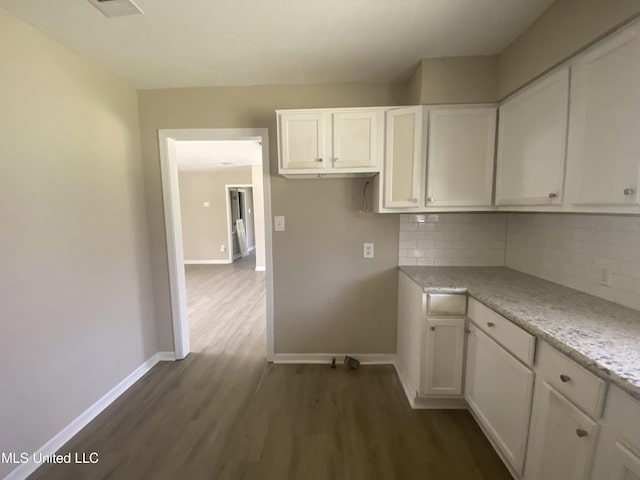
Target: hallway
{"type": "Point", "coordinates": [226, 308]}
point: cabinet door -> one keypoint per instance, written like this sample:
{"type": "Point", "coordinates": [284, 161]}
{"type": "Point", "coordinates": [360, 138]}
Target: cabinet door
{"type": "Point", "coordinates": [302, 142]}
{"type": "Point", "coordinates": [625, 464]}
{"type": "Point", "coordinates": [498, 389]}
{"type": "Point", "coordinates": [460, 156]}
{"type": "Point", "coordinates": [532, 137]}
{"type": "Point", "coordinates": [563, 439]}
{"type": "Point", "coordinates": [404, 161]}
{"type": "Point", "coordinates": [356, 142]}
{"type": "Point", "coordinates": [603, 157]}
{"type": "Point", "coordinates": [443, 356]}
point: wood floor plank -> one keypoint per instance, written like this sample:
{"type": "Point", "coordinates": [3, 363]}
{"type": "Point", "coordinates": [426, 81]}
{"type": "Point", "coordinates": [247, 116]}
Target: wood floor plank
{"type": "Point", "coordinates": [224, 413]}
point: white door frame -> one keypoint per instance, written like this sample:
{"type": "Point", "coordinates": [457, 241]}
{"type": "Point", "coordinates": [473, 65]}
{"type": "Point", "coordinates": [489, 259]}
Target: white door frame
{"type": "Point", "coordinates": [227, 190]}
{"type": "Point", "coordinates": [173, 225]}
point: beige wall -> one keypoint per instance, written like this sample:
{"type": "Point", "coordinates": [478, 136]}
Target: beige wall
{"type": "Point", "coordinates": [75, 296]}
{"type": "Point", "coordinates": [327, 298]}
{"type": "Point", "coordinates": [471, 79]}
{"type": "Point", "coordinates": [205, 229]}
{"type": "Point", "coordinates": [566, 27]}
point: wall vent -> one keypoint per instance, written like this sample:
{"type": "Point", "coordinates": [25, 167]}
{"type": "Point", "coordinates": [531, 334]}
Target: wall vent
{"type": "Point", "coordinates": [116, 8]}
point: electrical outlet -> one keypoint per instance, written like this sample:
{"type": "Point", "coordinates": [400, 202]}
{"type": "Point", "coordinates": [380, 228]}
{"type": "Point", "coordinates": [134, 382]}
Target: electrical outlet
{"type": "Point", "coordinates": [206, 204]}
{"type": "Point", "coordinates": [223, 248]}
{"type": "Point", "coordinates": [368, 250]}
{"type": "Point", "coordinates": [605, 276]}
{"type": "Point", "coordinates": [278, 223]}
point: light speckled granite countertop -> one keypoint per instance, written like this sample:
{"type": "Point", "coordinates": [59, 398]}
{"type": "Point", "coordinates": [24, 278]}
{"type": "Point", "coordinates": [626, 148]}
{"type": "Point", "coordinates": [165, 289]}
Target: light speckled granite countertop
{"type": "Point", "coordinates": [601, 336]}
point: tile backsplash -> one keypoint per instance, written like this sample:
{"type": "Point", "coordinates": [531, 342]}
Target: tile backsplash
{"type": "Point", "coordinates": [580, 251]}
{"type": "Point", "coordinates": [453, 239]}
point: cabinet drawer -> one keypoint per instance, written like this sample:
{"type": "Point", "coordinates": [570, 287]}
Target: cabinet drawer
{"type": "Point", "coordinates": [518, 342]}
{"type": "Point", "coordinates": [579, 385]}
{"type": "Point", "coordinates": [445, 304]}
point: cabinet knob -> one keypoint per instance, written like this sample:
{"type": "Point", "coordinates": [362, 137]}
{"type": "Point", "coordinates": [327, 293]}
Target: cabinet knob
{"type": "Point", "coordinates": [414, 200]}
{"type": "Point", "coordinates": [581, 433]}
{"type": "Point", "coordinates": [564, 378]}
{"type": "Point", "coordinates": [553, 195]}
{"type": "Point", "coordinates": [467, 331]}
{"type": "Point", "coordinates": [430, 199]}
{"type": "Point", "coordinates": [336, 159]}
{"type": "Point", "coordinates": [433, 328]}
{"type": "Point", "coordinates": [318, 159]}
{"type": "Point", "coordinates": [628, 191]}
{"type": "Point", "coordinates": [491, 324]}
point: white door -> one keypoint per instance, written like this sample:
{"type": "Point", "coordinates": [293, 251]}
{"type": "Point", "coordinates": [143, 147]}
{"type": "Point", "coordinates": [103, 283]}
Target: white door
{"type": "Point", "coordinates": [498, 388]}
{"type": "Point", "coordinates": [404, 161]}
{"type": "Point", "coordinates": [302, 142]}
{"type": "Point", "coordinates": [443, 356]}
{"type": "Point", "coordinates": [532, 137]}
{"type": "Point", "coordinates": [460, 156]}
{"type": "Point", "coordinates": [563, 439]}
{"type": "Point", "coordinates": [356, 140]}
{"type": "Point", "coordinates": [603, 158]}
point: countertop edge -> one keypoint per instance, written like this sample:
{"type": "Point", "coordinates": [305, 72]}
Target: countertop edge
{"type": "Point", "coordinates": [584, 361]}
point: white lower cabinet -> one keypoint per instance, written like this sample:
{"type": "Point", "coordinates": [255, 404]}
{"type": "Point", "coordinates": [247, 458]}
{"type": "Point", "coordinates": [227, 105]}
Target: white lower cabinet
{"type": "Point", "coordinates": [563, 438]}
{"type": "Point", "coordinates": [430, 348]}
{"type": "Point", "coordinates": [618, 453]}
{"type": "Point", "coordinates": [498, 389]}
{"type": "Point", "coordinates": [443, 356]}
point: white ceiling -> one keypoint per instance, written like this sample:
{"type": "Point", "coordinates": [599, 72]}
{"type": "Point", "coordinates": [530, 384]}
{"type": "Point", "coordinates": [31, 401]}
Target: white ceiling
{"type": "Point", "coordinates": [181, 43]}
{"type": "Point", "coordinates": [217, 155]}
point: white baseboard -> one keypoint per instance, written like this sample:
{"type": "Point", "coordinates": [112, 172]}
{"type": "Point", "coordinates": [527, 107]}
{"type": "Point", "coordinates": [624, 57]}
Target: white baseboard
{"type": "Point", "coordinates": [408, 391]}
{"type": "Point", "coordinates": [64, 435]}
{"type": "Point", "coordinates": [207, 262]}
{"type": "Point", "coordinates": [261, 268]}
{"type": "Point", "coordinates": [325, 358]}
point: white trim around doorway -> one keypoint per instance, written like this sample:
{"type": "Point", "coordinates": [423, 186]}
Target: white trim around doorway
{"type": "Point", "coordinates": [171, 202]}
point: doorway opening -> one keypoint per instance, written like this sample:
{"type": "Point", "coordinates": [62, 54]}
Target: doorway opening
{"type": "Point", "coordinates": [241, 221]}
{"type": "Point", "coordinates": [201, 186]}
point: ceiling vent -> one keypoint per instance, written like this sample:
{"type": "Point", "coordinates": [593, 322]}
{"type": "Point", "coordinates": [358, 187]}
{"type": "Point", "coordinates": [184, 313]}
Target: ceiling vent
{"type": "Point", "coordinates": [116, 8]}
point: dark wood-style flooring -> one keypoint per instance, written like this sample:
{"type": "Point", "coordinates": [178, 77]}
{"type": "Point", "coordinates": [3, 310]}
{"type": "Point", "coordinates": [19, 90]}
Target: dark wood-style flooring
{"type": "Point", "coordinates": [224, 413]}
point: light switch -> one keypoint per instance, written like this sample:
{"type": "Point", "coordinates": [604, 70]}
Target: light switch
{"type": "Point", "coordinates": [368, 250]}
{"type": "Point", "coordinates": [206, 204]}
{"type": "Point", "coordinates": [278, 223]}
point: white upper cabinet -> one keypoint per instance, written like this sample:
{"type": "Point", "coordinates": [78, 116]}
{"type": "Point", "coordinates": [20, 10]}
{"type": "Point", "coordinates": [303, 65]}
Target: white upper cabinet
{"type": "Point", "coordinates": [302, 141]}
{"type": "Point", "coordinates": [404, 158]}
{"type": "Point", "coordinates": [532, 137]}
{"type": "Point", "coordinates": [460, 156]}
{"type": "Point", "coordinates": [330, 142]}
{"type": "Point", "coordinates": [603, 158]}
{"type": "Point", "coordinates": [356, 140]}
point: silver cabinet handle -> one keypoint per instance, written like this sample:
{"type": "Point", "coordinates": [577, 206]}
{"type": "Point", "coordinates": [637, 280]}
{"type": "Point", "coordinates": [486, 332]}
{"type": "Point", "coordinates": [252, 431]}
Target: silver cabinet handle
{"type": "Point", "coordinates": [581, 433]}
{"type": "Point", "coordinates": [564, 378]}
{"type": "Point", "coordinates": [433, 328]}
{"type": "Point", "coordinates": [628, 191]}
{"type": "Point", "coordinates": [553, 195]}
{"type": "Point", "coordinates": [491, 324]}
